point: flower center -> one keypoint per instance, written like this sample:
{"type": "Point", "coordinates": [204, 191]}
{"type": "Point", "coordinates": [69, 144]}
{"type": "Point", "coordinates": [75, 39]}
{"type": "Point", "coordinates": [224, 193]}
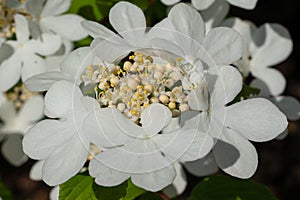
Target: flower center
{"type": "Point", "coordinates": [136, 83]}
{"type": "Point", "coordinates": [19, 95]}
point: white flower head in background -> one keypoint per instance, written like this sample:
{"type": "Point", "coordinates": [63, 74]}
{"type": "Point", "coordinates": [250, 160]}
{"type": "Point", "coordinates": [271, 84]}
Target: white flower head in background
{"type": "Point", "coordinates": [264, 47]}
{"type": "Point", "coordinates": [19, 111]}
{"type": "Point", "coordinates": [205, 4]}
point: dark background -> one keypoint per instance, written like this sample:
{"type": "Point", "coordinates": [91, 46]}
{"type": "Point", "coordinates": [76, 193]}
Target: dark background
{"type": "Point", "coordinates": [279, 166]}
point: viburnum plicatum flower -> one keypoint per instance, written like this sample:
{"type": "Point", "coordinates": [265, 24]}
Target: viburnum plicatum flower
{"type": "Point", "coordinates": [24, 61]}
{"type": "Point", "coordinates": [264, 47]}
{"type": "Point", "coordinates": [19, 111]}
{"type": "Point", "coordinates": [62, 143]}
{"type": "Point", "coordinates": [204, 4]}
{"type": "Point", "coordinates": [233, 125]}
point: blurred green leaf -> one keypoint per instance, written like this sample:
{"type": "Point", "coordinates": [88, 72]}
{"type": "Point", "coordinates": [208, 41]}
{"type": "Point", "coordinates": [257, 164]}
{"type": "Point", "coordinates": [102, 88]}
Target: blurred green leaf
{"type": "Point", "coordinates": [150, 196]}
{"type": "Point", "coordinates": [246, 92]}
{"type": "Point", "coordinates": [5, 193]}
{"type": "Point", "coordinates": [133, 191]}
{"type": "Point", "coordinates": [229, 188]}
{"type": "Point", "coordinates": [82, 187]}
{"type": "Point", "coordinates": [87, 9]}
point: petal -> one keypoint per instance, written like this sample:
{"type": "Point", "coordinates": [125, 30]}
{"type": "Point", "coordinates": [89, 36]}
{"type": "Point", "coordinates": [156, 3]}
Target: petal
{"type": "Point", "coordinates": [202, 4]}
{"type": "Point", "coordinates": [102, 129]}
{"type": "Point", "coordinates": [10, 72]}
{"type": "Point", "coordinates": [155, 117]}
{"type": "Point", "coordinates": [36, 171]}
{"type": "Point", "coordinates": [97, 30]}
{"type": "Point", "coordinates": [48, 44]}
{"type": "Point", "coordinates": [169, 2]}
{"type": "Point", "coordinates": [128, 20]}
{"type": "Point", "coordinates": [272, 78]}
{"type": "Point", "coordinates": [283, 135]}
{"type": "Point", "coordinates": [235, 155]}
{"type": "Point", "coordinates": [290, 106]}
{"type": "Point", "coordinates": [179, 184]}
{"type": "Point", "coordinates": [6, 51]}
{"type": "Point", "coordinates": [7, 111]}
{"type": "Point", "coordinates": [22, 29]}
{"type": "Point", "coordinates": [202, 167]}
{"type": "Point", "coordinates": [256, 119]}
{"type": "Point", "coordinates": [32, 65]}
{"type": "Point", "coordinates": [273, 45]}
{"type": "Point", "coordinates": [65, 162]}
{"type": "Point", "coordinates": [34, 7]}
{"type": "Point", "coordinates": [246, 4]}
{"type": "Point", "coordinates": [69, 97]}
{"type": "Point", "coordinates": [199, 97]}
{"type": "Point", "coordinates": [12, 150]}
{"type": "Point", "coordinates": [45, 137]}
{"type": "Point", "coordinates": [155, 181]}
{"type": "Point", "coordinates": [106, 176]}
{"type": "Point", "coordinates": [44, 81]}
{"type": "Point", "coordinates": [227, 86]}
{"type": "Point", "coordinates": [32, 110]}
{"type": "Point", "coordinates": [55, 7]}
{"type": "Point", "coordinates": [54, 193]}
{"type": "Point", "coordinates": [59, 25]}
{"type": "Point", "coordinates": [222, 53]}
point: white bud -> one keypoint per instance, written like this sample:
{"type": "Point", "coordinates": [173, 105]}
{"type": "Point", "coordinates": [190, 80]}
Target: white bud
{"type": "Point", "coordinates": [157, 75]}
{"type": "Point", "coordinates": [169, 83]}
{"type": "Point", "coordinates": [184, 107]}
{"type": "Point", "coordinates": [121, 107]}
{"type": "Point", "coordinates": [164, 99]}
{"type": "Point", "coordinates": [132, 84]}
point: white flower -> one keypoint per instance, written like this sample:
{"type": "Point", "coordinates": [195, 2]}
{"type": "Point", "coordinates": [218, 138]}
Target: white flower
{"type": "Point", "coordinates": [204, 4]}
{"type": "Point", "coordinates": [233, 125]}
{"type": "Point", "coordinates": [16, 123]}
{"type": "Point", "coordinates": [220, 46]}
{"type": "Point", "coordinates": [62, 144]}
{"type": "Point", "coordinates": [149, 155]}
{"type": "Point", "coordinates": [25, 62]}
{"type": "Point", "coordinates": [264, 47]}
{"type": "Point", "coordinates": [47, 16]}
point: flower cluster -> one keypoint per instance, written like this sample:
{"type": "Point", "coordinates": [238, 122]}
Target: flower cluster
{"type": "Point", "coordinates": [142, 103]}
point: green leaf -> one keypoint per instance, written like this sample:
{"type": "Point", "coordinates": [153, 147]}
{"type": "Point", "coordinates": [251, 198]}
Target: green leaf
{"type": "Point", "coordinates": [246, 92]}
{"type": "Point", "coordinates": [229, 188]}
{"type": "Point", "coordinates": [5, 193]}
{"type": "Point", "coordinates": [150, 196]}
{"type": "Point", "coordinates": [133, 191]}
{"type": "Point", "coordinates": [82, 187]}
{"type": "Point", "coordinates": [81, 6]}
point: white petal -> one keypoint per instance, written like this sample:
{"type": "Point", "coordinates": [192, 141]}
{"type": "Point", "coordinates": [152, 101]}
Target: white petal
{"type": "Point", "coordinates": [188, 22]}
{"type": "Point", "coordinates": [55, 7]}
{"type": "Point", "coordinates": [32, 110]}
{"type": "Point", "coordinates": [12, 150]}
{"type": "Point", "coordinates": [199, 97]}
{"type": "Point", "coordinates": [283, 135]}
{"type": "Point", "coordinates": [46, 136]}
{"type": "Point", "coordinates": [105, 175]}
{"type": "Point", "coordinates": [10, 72]}
{"type": "Point", "coordinates": [48, 44]}
{"type": "Point", "coordinates": [102, 129]}
{"type": "Point", "coordinates": [36, 171]}
{"type": "Point", "coordinates": [246, 4]}
{"type": "Point", "coordinates": [273, 45]}
{"type": "Point", "coordinates": [290, 106]}
{"type": "Point", "coordinates": [202, 167]}
{"type": "Point", "coordinates": [22, 29]}
{"type": "Point", "coordinates": [32, 65]}
{"type": "Point", "coordinates": [54, 193]}
{"type": "Point", "coordinates": [179, 184]}
{"type": "Point", "coordinates": [69, 96]}
{"type": "Point", "coordinates": [155, 117]}
{"type": "Point", "coordinates": [140, 158]}
{"type": "Point", "coordinates": [60, 26]}
{"type": "Point", "coordinates": [272, 78]}
{"type": "Point", "coordinates": [155, 181]}
{"type": "Point", "coordinates": [97, 30]}
{"type": "Point", "coordinates": [235, 155]}
{"type": "Point", "coordinates": [44, 81]}
{"type": "Point", "coordinates": [256, 119]}
{"type": "Point", "coordinates": [169, 2]}
{"type": "Point", "coordinates": [128, 20]}
{"type": "Point", "coordinates": [222, 53]}
{"type": "Point", "coordinates": [65, 162]}
{"type": "Point", "coordinates": [7, 111]}
{"type": "Point", "coordinates": [34, 7]}
{"type": "Point", "coordinates": [262, 86]}
{"type": "Point", "coordinates": [6, 51]}
{"type": "Point", "coordinates": [202, 4]}
{"type": "Point", "coordinates": [228, 84]}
